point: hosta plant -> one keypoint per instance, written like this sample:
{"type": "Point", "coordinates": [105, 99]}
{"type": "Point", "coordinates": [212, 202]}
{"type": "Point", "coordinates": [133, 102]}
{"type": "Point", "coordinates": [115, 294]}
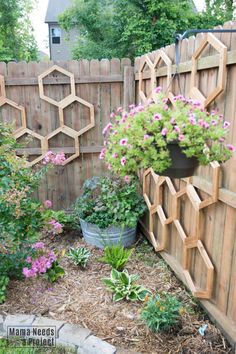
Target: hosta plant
{"type": "Point", "coordinates": [79, 256]}
{"type": "Point", "coordinates": [117, 256]}
{"type": "Point", "coordinates": [161, 312]}
{"type": "Point", "coordinates": [138, 139]}
{"type": "Point", "coordinates": [124, 286]}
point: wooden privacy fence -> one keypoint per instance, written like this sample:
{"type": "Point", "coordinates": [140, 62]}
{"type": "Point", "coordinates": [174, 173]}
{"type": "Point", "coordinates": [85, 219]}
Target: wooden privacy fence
{"type": "Point", "coordinates": [64, 106]}
{"type": "Point", "coordinates": [192, 222]}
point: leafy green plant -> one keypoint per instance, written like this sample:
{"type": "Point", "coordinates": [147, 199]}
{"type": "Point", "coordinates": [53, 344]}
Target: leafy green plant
{"type": "Point", "coordinates": [55, 272]}
{"type": "Point", "coordinates": [139, 139]}
{"type": "Point", "coordinates": [79, 256]}
{"type": "Point", "coordinates": [161, 312]}
{"type": "Point", "coordinates": [108, 201]}
{"type": "Point", "coordinates": [4, 280]}
{"type": "Point", "coordinates": [116, 255]}
{"type": "Point", "coordinates": [123, 286]}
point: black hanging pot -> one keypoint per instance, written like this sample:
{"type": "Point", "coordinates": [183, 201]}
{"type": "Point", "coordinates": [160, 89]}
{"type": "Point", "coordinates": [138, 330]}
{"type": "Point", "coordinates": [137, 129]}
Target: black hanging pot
{"type": "Point", "coordinates": [181, 165]}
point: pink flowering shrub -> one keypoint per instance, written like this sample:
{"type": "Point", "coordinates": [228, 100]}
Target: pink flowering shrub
{"type": "Point", "coordinates": [55, 159]}
{"type": "Point", "coordinates": [44, 262]}
{"type": "Point", "coordinates": [138, 139]}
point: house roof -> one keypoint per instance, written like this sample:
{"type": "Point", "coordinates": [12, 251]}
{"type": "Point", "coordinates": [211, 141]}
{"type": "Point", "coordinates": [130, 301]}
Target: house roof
{"type": "Point", "coordinates": [55, 8]}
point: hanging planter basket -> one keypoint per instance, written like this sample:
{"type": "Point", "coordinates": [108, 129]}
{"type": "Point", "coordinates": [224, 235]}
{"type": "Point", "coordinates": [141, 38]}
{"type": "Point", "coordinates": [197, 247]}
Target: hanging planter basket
{"type": "Point", "coordinates": [181, 166]}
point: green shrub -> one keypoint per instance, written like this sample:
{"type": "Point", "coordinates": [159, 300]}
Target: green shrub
{"type": "Point", "coordinates": [161, 312]}
{"type": "Point", "coordinates": [4, 280]}
{"type": "Point", "coordinates": [110, 201]}
{"type": "Point", "coordinates": [123, 286]}
{"type": "Point", "coordinates": [117, 256]}
{"type": "Point", "coordinates": [55, 272]}
{"type": "Point", "coordinates": [79, 256]}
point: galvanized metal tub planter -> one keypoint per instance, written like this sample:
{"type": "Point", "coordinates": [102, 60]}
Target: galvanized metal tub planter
{"type": "Point", "coordinates": [112, 235]}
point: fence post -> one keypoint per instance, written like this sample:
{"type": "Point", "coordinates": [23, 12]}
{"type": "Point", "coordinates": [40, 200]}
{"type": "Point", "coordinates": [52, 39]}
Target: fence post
{"type": "Point", "coordinates": [129, 86]}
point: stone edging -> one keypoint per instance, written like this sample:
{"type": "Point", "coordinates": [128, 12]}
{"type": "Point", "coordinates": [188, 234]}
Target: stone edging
{"type": "Point", "coordinates": [78, 338]}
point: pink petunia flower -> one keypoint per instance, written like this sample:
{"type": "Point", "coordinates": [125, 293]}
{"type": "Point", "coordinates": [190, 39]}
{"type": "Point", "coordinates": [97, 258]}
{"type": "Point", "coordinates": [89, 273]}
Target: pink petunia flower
{"type": "Point", "coordinates": [123, 161]}
{"type": "Point", "coordinates": [230, 147]}
{"type": "Point", "coordinates": [158, 89]}
{"type": "Point", "coordinates": [146, 136]}
{"type": "Point", "coordinates": [115, 155]}
{"type": "Point", "coordinates": [123, 141]}
{"type": "Point", "coordinates": [127, 179]}
{"type": "Point", "coordinates": [181, 137]}
{"type": "Point", "coordinates": [107, 128]}
{"type": "Point", "coordinates": [226, 124]}
{"type": "Point", "coordinates": [164, 131]}
{"type": "Point", "coordinates": [157, 116]}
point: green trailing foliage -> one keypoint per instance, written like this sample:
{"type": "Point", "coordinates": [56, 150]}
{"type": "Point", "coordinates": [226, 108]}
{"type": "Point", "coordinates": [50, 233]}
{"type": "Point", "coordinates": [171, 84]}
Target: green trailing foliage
{"type": "Point", "coordinates": [110, 201]}
{"type": "Point", "coordinates": [4, 280]}
{"type": "Point", "coordinates": [117, 256]}
{"type": "Point", "coordinates": [161, 312]}
{"type": "Point", "coordinates": [124, 286]}
{"type": "Point", "coordinates": [79, 256]}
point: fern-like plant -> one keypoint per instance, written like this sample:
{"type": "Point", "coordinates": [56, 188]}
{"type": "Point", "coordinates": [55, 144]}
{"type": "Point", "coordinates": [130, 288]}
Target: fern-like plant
{"type": "Point", "coordinates": [79, 256]}
{"type": "Point", "coordinates": [117, 256]}
{"type": "Point", "coordinates": [123, 286]}
{"type": "Point", "coordinates": [4, 280]}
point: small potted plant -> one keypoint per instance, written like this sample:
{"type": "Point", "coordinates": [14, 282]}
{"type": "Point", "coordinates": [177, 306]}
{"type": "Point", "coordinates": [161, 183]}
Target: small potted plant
{"type": "Point", "coordinates": [172, 140]}
{"type": "Point", "coordinates": [109, 209]}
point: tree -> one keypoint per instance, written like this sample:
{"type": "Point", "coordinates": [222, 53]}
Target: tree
{"type": "Point", "coordinates": [16, 33]}
{"type": "Point", "coordinates": [131, 28]}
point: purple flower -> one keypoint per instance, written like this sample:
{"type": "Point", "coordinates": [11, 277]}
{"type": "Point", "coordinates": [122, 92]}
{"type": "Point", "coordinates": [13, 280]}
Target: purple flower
{"type": "Point", "coordinates": [146, 136]}
{"type": "Point", "coordinates": [158, 89]}
{"type": "Point", "coordinates": [181, 137]}
{"type": "Point", "coordinates": [127, 179]}
{"type": "Point", "coordinates": [38, 246]}
{"type": "Point", "coordinates": [107, 128]}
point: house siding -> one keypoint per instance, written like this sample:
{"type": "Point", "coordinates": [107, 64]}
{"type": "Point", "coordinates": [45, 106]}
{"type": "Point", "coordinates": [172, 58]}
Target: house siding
{"type": "Point", "coordinates": [62, 51]}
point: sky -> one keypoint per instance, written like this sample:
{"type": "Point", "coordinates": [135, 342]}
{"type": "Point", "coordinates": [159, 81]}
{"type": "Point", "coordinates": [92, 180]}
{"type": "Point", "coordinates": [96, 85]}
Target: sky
{"type": "Point", "coordinates": [41, 29]}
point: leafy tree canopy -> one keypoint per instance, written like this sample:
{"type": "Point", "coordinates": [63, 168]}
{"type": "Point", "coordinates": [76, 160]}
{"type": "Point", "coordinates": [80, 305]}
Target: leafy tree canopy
{"type": "Point", "coordinates": [16, 33]}
{"type": "Point", "coordinates": [121, 28]}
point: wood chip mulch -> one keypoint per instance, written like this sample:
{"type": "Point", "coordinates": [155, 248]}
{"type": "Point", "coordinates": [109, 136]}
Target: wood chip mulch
{"type": "Point", "coordinates": [81, 298]}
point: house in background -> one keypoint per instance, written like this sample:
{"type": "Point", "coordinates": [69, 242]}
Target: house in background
{"type": "Point", "coordinates": [60, 41]}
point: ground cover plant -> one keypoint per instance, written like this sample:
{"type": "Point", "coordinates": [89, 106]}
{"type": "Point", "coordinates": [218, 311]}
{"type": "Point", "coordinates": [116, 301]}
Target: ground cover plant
{"type": "Point", "coordinates": [79, 256]}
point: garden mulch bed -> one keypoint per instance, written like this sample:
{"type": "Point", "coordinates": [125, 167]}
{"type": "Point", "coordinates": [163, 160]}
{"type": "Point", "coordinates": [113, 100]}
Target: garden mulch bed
{"type": "Point", "coordinates": [81, 298]}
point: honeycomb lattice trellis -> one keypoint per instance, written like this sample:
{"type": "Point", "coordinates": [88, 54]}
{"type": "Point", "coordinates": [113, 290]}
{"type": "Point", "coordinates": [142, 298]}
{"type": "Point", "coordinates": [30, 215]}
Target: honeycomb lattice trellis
{"type": "Point", "coordinates": [146, 62]}
{"type": "Point", "coordinates": [194, 90]}
{"type": "Point", "coordinates": [65, 102]}
{"type": "Point", "coordinates": [190, 242]}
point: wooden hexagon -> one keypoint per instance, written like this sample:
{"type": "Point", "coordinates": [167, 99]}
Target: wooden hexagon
{"type": "Point", "coordinates": [148, 172]}
{"type": "Point", "coordinates": [43, 143]}
{"type": "Point", "coordinates": [215, 186]}
{"type": "Point", "coordinates": [70, 100]}
{"type": "Point", "coordinates": [162, 244]}
{"type": "Point", "coordinates": [222, 49]}
{"type": "Point", "coordinates": [165, 220]}
{"type": "Point", "coordinates": [147, 61]}
{"type": "Point", "coordinates": [72, 134]}
{"type": "Point", "coordinates": [194, 199]}
{"type": "Point", "coordinates": [200, 293]}
{"type": "Point", "coordinates": [6, 101]}
{"type": "Point", "coordinates": [2, 87]}
{"type": "Point", "coordinates": [41, 86]}
{"type": "Point", "coordinates": [162, 56]}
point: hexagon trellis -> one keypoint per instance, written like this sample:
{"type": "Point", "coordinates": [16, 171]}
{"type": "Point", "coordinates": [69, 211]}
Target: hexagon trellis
{"type": "Point", "coordinates": [155, 177]}
{"type": "Point", "coordinates": [165, 219]}
{"type": "Point", "coordinates": [72, 134]}
{"type": "Point", "coordinates": [41, 85]}
{"type": "Point", "coordinates": [43, 143]}
{"type": "Point", "coordinates": [200, 293]}
{"type": "Point", "coordinates": [70, 100]}
{"type": "Point", "coordinates": [161, 55]}
{"type": "Point", "coordinates": [2, 87]}
{"type": "Point", "coordinates": [6, 101]}
{"type": "Point", "coordinates": [147, 61]}
{"type": "Point", "coordinates": [194, 199]}
{"type": "Point", "coordinates": [222, 49]}
{"type": "Point", "coordinates": [162, 244]}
